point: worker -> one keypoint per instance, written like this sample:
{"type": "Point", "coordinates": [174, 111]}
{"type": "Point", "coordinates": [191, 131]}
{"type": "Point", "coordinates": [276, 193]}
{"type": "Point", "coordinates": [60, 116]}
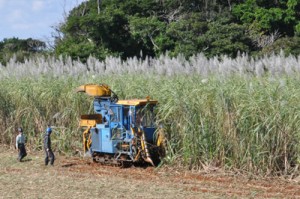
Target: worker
{"type": "Point", "coordinates": [20, 144]}
{"type": "Point", "coordinates": [47, 147]}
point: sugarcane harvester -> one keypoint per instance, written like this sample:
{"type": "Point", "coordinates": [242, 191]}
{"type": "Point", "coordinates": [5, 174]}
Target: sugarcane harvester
{"type": "Point", "coordinates": [121, 132]}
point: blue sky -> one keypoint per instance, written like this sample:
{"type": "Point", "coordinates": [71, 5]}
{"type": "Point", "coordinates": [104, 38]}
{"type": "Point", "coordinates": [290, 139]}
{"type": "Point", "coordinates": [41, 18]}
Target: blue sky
{"type": "Point", "coordinates": [32, 18]}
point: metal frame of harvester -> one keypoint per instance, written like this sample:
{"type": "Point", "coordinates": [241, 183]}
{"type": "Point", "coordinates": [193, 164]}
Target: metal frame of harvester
{"type": "Point", "coordinates": [121, 132]}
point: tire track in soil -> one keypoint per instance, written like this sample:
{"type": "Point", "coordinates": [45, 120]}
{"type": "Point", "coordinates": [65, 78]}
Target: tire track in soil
{"type": "Point", "coordinates": [216, 183]}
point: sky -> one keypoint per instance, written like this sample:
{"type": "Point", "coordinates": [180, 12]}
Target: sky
{"type": "Point", "coordinates": [33, 18]}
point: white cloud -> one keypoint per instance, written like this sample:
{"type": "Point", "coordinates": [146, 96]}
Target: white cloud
{"type": "Point", "coordinates": [37, 5]}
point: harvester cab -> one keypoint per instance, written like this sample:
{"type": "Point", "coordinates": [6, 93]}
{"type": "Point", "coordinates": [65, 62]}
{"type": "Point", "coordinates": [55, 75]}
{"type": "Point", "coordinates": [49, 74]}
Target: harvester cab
{"type": "Point", "coordinates": [121, 132]}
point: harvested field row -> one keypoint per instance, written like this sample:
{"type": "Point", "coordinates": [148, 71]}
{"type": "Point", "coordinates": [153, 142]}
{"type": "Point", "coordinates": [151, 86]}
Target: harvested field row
{"type": "Point", "coordinates": [75, 177]}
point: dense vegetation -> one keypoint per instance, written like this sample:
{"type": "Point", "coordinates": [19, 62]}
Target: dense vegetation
{"type": "Point", "coordinates": [20, 49]}
{"type": "Point", "coordinates": [237, 113]}
{"type": "Point", "coordinates": [229, 96]}
{"type": "Point", "coordinates": [127, 28]}
{"type": "Point", "coordinates": [143, 28]}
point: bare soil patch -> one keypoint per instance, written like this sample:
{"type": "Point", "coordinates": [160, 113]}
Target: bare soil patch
{"type": "Point", "coordinates": [75, 177]}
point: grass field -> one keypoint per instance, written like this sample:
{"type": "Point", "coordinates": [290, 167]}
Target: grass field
{"type": "Point", "coordinates": [75, 177]}
{"type": "Point", "coordinates": [235, 114]}
{"type": "Point", "coordinates": [235, 123]}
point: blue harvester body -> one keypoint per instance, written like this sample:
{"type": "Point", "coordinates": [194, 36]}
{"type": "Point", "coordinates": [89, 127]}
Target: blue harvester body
{"type": "Point", "coordinates": [121, 132]}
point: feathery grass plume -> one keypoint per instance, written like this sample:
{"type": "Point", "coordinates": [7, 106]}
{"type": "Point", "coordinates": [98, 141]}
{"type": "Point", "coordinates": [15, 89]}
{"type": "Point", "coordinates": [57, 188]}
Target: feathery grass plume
{"type": "Point", "coordinates": [274, 65]}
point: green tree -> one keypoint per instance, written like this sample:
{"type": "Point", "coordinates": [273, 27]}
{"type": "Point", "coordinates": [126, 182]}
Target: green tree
{"type": "Point", "coordinates": [267, 16]}
{"type": "Point", "coordinates": [225, 37]}
{"type": "Point", "coordinates": [125, 28]}
{"type": "Point", "coordinates": [21, 48]}
{"type": "Point", "coordinates": [289, 45]}
{"type": "Point", "coordinates": [105, 33]}
{"type": "Point", "coordinates": [148, 31]}
{"type": "Point", "coordinates": [187, 34]}
{"type": "Point", "coordinates": [269, 21]}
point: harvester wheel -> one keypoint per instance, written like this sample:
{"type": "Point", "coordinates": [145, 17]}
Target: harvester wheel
{"type": "Point", "coordinates": [125, 163]}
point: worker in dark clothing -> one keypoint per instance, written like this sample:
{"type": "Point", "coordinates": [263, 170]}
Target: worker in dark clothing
{"type": "Point", "coordinates": [47, 147]}
{"type": "Point", "coordinates": [20, 144]}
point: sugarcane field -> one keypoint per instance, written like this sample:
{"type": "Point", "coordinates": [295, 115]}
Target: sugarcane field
{"type": "Point", "coordinates": [149, 99]}
{"type": "Point", "coordinates": [165, 131]}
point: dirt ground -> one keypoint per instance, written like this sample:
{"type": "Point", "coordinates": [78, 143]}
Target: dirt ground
{"type": "Point", "coordinates": [75, 177]}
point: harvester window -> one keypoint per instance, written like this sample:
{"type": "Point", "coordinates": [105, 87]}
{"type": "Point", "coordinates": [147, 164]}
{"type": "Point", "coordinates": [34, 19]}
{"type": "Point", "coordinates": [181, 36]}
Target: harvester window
{"type": "Point", "coordinates": [145, 116]}
{"type": "Point", "coordinates": [126, 116]}
{"type": "Point", "coordinates": [131, 114]}
{"type": "Point", "coordinates": [148, 119]}
{"type": "Point", "coordinates": [139, 118]}
{"type": "Point", "coordinates": [115, 114]}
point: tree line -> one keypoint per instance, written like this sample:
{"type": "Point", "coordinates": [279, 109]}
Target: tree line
{"type": "Point", "coordinates": [143, 28]}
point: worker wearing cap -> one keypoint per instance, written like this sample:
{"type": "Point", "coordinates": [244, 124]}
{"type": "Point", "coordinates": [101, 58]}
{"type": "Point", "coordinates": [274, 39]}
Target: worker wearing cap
{"type": "Point", "coordinates": [20, 144]}
{"type": "Point", "coordinates": [47, 147]}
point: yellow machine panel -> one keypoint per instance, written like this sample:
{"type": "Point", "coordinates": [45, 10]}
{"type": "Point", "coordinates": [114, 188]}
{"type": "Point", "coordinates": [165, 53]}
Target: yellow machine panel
{"type": "Point", "coordinates": [95, 90]}
{"type": "Point", "coordinates": [90, 120]}
{"type": "Point", "coordinates": [136, 102]}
